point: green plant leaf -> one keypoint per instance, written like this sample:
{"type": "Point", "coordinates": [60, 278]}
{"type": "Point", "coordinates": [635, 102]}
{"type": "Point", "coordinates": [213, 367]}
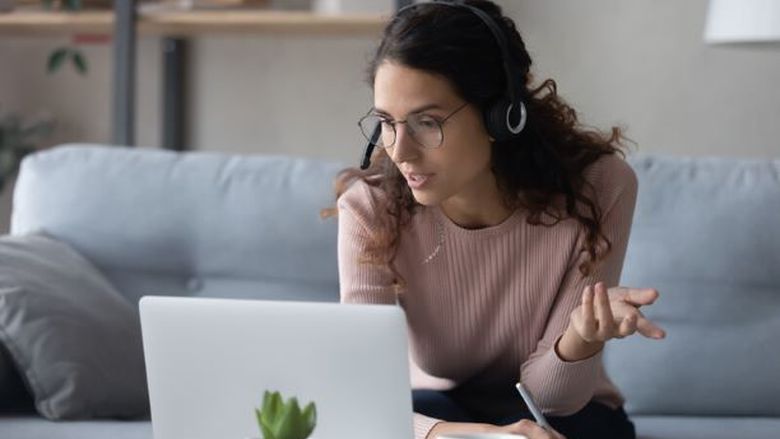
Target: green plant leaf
{"type": "Point", "coordinates": [79, 61]}
{"type": "Point", "coordinates": [272, 405]}
{"type": "Point", "coordinates": [280, 419]}
{"type": "Point", "coordinates": [310, 419]}
{"type": "Point", "coordinates": [267, 434]}
{"type": "Point", "coordinates": [298, 420]}
{"type": "Point", "coordinates": [56, 58]}
{"type": "Point", "coordinates": [289, 424]}
{"type": "Point", "coordinates": [39, 129]}
{"type": "Point", "coordinates": [17, 139]}
{"type": "Point", "coordinates": [259, 418]}
{"type": "Point", "coordinates": [7, 162]}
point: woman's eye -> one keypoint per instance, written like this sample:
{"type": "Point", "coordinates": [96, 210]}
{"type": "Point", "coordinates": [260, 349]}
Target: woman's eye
{"type": "Point", "coordinates": [427, 122]}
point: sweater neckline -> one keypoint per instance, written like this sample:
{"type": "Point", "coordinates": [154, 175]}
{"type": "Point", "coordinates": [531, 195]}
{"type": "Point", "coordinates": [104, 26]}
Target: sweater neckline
{"type": "Point", "coordinates": [452, 226]}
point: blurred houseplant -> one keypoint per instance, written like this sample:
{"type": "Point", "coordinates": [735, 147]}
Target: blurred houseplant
{"type": "Point", "coordinates": [17, 139]}
{"type": "Point", "coordinates": [65, 53]}
{"type": "Point", "coordinates": [285, 420]}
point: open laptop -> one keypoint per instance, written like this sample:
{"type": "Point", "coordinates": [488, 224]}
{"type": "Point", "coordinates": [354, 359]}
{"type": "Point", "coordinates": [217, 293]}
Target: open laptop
{"type": "Point", "coordinates": [209, 361]}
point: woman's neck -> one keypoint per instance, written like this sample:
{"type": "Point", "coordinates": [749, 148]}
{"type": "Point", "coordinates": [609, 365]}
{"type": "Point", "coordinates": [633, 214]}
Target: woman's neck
{"type": "Point", "coordinates": [478, 209]}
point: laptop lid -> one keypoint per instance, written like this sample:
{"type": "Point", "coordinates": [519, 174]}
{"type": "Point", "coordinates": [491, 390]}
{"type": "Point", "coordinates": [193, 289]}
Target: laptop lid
{"type": "Point", "coordinates": [209, 362]}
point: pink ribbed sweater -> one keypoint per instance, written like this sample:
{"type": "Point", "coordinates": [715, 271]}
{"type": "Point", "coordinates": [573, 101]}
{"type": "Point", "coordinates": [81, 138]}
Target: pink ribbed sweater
{"type": "Point", "coordinates": [490, 303]}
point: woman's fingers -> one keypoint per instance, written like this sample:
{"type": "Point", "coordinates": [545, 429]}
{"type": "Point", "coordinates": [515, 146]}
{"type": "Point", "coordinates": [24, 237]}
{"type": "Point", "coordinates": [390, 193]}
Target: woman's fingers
{"type": "Point", "coordinates": [641, 297]}
{"type": "Point", "coordinates": [650, 329]}
{"type": "Point", "coordinates": [606, 321]}
{"type": "Point", "coordinates": [628, 325]}
{"type": "Point", "coordinates": [532, 430]}
{"type": "Point", "coordinates": [605, 314]}
{"type": "Point", "coordinates": [622, 309]}
{"type": "Point", "coordinates": [589, 325]}
{"type": "Point", "coordinates": [641, 324]}
{"type": "Point", "coordinates": [635, 296]}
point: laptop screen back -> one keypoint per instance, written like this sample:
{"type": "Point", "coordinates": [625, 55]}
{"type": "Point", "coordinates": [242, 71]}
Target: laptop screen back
{"type": "Point", "coordinates": [209, 362]}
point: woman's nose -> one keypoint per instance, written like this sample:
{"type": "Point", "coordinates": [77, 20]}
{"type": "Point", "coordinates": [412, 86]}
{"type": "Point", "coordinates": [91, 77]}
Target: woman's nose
{"type": "Point", "coordinates": [405, 148]}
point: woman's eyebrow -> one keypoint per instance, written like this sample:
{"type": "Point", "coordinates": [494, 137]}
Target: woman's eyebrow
{"type": "Point", "coordinates": [416, 110]}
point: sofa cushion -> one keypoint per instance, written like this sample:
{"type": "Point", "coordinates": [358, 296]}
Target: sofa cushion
{"type": "Point", "coordinates": [74, 338]}
{"type": "Point", "coordinates": [706, 233]}
{"type": "Point", "coordinates": [702, 427]}
{"type": "Point", "coordinates": [26, 426]}
{"type": "Point", "coordinates": [160, 222]}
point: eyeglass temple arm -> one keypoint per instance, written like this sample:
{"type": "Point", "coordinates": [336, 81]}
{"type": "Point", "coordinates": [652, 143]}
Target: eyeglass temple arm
{"type": "Point", "coordinates": [366, 162]}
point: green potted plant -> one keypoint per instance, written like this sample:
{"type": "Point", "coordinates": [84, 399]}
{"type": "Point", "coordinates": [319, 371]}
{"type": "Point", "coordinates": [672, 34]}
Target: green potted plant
{"type": "Point", "coordinates": [279, 419]}
{"type": "Point", "coordinates": [17, 139]}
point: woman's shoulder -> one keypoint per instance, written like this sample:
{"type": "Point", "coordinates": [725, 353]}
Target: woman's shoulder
{"type": "Point", "coordinates": [362, 197]}
{"type": "Point", "coordinates": [611, 169]}
{"type": "Point", "coordinates": [611, 177]}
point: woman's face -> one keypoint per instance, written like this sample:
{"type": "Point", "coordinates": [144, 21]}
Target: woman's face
{"type": "Point", "coordinates": [456, 172]}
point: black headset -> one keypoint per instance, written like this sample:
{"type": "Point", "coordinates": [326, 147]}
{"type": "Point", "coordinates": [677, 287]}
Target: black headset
{"type": "Point", "coordinates": [497, 115]}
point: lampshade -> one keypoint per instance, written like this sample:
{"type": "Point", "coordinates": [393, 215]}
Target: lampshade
{"type": "Point", "coordinates": [743, 21]}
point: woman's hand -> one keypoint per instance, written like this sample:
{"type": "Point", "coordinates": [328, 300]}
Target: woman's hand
{"type": "Point", "coordinates": [604, 315]}
{"type": "Point", "coordinates": [532, 430]}
{"type": "Point", "coordinates": [525, 427]}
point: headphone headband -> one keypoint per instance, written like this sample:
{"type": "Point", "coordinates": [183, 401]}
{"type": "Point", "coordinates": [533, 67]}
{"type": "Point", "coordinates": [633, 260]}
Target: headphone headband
{"type": "Point", "coordinates": [498, 34]}
{"type": "Point", "coordinates": [500, 38]}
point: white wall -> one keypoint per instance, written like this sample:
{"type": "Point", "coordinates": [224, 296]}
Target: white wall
{"type": "Point", "coordinates": [293, 95]}
{"type": "Point", "coordinates": [641, 64]}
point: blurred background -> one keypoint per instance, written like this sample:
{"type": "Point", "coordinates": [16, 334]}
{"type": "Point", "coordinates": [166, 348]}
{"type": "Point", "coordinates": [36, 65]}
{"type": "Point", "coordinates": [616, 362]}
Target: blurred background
{"type": "Point", "coordinates": [641, 64]}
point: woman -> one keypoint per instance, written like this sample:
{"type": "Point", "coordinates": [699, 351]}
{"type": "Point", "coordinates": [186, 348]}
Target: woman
{"type": "Point", "coordinates": [499, 244]}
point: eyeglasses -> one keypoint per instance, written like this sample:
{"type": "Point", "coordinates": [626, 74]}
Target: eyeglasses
{"type": "Point", "coordinates": [425, 130]}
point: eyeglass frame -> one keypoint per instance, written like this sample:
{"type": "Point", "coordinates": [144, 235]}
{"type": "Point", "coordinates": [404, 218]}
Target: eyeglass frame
{"type": "Point", "coordinates": [377, 132]}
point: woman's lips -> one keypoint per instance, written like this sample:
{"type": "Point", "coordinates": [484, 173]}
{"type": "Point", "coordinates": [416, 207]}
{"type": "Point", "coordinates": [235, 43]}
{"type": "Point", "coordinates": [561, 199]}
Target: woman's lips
{"type": "Point", "coordinates": [417, 181]}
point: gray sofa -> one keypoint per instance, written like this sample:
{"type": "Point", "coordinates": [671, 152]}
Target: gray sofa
{"type": "Point", "coordinates": [706, 233]}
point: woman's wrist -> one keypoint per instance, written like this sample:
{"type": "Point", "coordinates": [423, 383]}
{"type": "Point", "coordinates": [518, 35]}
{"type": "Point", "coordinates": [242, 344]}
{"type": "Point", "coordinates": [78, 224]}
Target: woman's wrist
{"type": "Point", "coordinates": [571, 347]}
{"type": "Point", "coordinates": [456, 427]}
{"type": "Point", "coordinates": [437, 429]}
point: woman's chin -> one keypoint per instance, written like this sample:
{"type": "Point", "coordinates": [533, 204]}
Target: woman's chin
{"type": "Point", "coordinates": [426, 198]}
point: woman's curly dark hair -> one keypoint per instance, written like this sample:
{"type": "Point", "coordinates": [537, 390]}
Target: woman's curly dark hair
{"type": "Point", "coordinates": [542, 170]}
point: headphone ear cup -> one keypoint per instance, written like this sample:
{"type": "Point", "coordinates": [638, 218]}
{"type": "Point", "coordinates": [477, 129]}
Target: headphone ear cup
{"type": "Point", "coordinates": [495, 120]}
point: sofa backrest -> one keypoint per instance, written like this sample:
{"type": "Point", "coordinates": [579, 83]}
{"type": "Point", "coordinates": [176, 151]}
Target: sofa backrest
{"type": "Point", "coordinates": [706, 233]}
{"type": "Point", "coordinates": [194, 224]}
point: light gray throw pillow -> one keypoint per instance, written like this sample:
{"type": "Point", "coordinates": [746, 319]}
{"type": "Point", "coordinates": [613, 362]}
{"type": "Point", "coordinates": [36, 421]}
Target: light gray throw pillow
{"type": "Point", "coordinates": [75, 340]}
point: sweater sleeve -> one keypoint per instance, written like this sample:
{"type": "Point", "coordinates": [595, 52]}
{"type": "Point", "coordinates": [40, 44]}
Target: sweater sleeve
{"type": "Point", "coordinates": [361, 282]}
{"type": "Point", "coordinates": [562, 388]}
{"type": "Point", "coordinates": [423, 425]}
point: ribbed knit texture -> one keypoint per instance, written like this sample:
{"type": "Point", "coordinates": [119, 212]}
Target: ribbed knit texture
{"type": "Point", "coordinates": [491, 303]}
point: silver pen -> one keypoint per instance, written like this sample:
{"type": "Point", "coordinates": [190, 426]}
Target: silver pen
{"type": "Point", "coordinates": [540, 419]}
